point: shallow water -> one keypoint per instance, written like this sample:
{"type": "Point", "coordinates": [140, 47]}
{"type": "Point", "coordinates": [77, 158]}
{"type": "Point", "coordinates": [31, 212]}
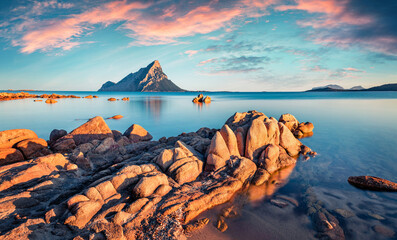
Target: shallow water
{"type": "Point", "coordinates": [355, 134]}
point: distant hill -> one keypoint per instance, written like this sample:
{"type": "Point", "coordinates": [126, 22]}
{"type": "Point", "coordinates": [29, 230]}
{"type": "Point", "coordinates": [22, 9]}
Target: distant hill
{"type": "Point", "coordinates": [148, 79]}
{"type": "Point", "coordinates": [337, 88]}
{"type": "Point", "coordinates": [385, 87]}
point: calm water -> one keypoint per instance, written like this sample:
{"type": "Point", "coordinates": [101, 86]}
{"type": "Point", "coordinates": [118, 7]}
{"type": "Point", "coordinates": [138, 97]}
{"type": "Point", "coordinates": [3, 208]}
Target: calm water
{"type": "Point", "coordinates": [355, 134]}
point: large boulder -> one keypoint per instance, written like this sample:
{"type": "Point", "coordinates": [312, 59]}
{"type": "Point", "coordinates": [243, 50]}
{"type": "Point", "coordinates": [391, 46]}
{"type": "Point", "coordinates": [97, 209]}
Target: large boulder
{"type": "Point", "coordinates": [230, 140]}
{"type": "Point", "coordinates": [9, 138]}
{"type": "Point", "coordinates": [256, 139]}
{"type": "Point", "coordinates": [218, 153]}
{"type": "Point", "coordinates": [10, 155]}
{"type": "Point", "coordinates": [289, 121]}
{"type": "Point", "coordinates": [136, 133]}
{"type": "Point", "coordinates": [95, 129]}
{"type": "Point", "coordinates": [30, 146]}
{"type": "Point", "coordinates": [288, 140]}
{"type": "Point", "coordinates": [186, 169]}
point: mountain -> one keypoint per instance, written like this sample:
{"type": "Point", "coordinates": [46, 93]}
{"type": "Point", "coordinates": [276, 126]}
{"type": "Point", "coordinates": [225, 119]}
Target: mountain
{"type": "Point", "coordinates": [357, 88]}
{"type": "Point", "coordinates": [148, 79]}
{"type": "Point", "coordinates": [385, 87]}
{"type": "Point", "coordinates": [328, 88]}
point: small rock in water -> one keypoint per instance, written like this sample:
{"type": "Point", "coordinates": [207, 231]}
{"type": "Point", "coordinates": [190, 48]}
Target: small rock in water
{"type": "Point", "coordinates": [196, 225]}
{"type": "Point", "coordinates": [125, 99]}
{"type": "Point", "coordinates": [376, 216]}
{"type": "Point", "coordinates": [230, 212]}
{"type": "Point", "coordinates": [112, 99]}
{"type": "Point", "coordinates": [288, 199]}
{"type": "Point", "coordinates": [116, 117]}
{"type": "Point", "coordinates": [279, 203]}
{"type": "Point", "coordinates": [51, 101]}
{"type": "Point", "coordinates": [221, 224]}
{"type": "Point", "coordinates": [344, 213]}
{"type": "Point", "coordinates": [385, 231]}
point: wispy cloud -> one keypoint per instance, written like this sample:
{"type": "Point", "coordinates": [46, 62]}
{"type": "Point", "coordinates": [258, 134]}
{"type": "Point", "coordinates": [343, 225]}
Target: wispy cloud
{"type": "Point", "coordinates": [241, 64]}
{"type": "Point", "coordinates": [346, 23]}
{"type": "Point", "coordinates": [146, 24]}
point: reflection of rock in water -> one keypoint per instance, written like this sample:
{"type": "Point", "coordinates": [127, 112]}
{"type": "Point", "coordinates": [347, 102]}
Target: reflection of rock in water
{"type": "Point", "coordinates": [152, 105]}
{"type": "Point", "coordinates": [277, 180]}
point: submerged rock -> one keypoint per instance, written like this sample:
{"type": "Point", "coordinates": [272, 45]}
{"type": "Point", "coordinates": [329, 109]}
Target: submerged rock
{"type": "Point", "coordinates": [372, 183]}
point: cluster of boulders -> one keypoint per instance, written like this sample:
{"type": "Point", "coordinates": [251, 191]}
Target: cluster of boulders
{"type": "Point", "coordinates": [19, 145]}
{"type": "Point", "coordinates": [98, 183]}
{"type": "Point", "coordinates": [5, 96]}
{"type": "Point", "coordinates": [300, 130]}
{"type": "Point", "coordinates": [201, 99]}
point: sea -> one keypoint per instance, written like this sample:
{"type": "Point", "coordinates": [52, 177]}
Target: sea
{"type": "Point", "coordinates": [355, 133]}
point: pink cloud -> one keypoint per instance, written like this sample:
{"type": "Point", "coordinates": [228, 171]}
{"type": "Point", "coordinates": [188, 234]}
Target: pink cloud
{"type": "Point", "coordinates": [191, 52]}
{"type": "Point", "coordinates": [139, 21]}
{"type": "Point", "coordinates": [207, 61]}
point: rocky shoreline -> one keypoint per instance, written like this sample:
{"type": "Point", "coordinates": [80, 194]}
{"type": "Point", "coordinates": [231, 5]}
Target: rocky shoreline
{"type": "Point", "coordinates": [98, 183]}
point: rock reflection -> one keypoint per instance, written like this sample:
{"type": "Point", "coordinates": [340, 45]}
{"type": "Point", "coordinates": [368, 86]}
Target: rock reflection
{"type": "Point", "coordinates": [152, 105]}
{"type": "Point", "coordinates": [200, 105]}
{"type": "Point", "coordinates": [256, 194]}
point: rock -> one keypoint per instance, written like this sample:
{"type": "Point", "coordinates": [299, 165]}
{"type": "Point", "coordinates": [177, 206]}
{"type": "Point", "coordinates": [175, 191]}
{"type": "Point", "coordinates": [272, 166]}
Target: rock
{"type": "Point", "coordinates": [30, 146]}
{"type": "Point", "coordinates": [344, 213]}
{"type": "Point", "coordinates": [162, 190]}
{"type": "Point", "coordinates": [288, 141]}
{"type": "Point", "coordinates": [112, 99]}
{"type": "Point", "coordinates": [240, 142]}
{"type": "Point", "coordinates": [256, 139]}
{"type": "Point", "coordinates": [261, 176]}
{"type": "Point", "coordinates": [385, 231]}
{"type": "Point", "coordinates": [89, 97]}
{"type": "Point", "coordinates": [57, 134]}
{"type": "Point", "coordinates": [106, 145]}
{"type": "Point", "coordinates": [64, 145]}
{"type": "Point", "coordinates": [196, 225]}
{"type": "Point", "coordinates": [51, 101]}
{"type": "Point", "coordinates": [244, 169]}
{"type": "Point", "coordinates": [199, 98]}
{"type": "Point", "coordinates": [136, 133]}
{"type": "Point", "coordinates": [165, 159]}
{"type": "Point", "coordinates": [289, 121]}
{"type": "Point", "coordinates": [218, 152]}
{"type": "Point", "coordinates": [117, 135]}
{"type": "Point", "coordinates": [148, 184]}
{"type": "Point", "coordinates": [207, 99]}
{"type": "Point", "coordinates": [373, 183]}
{"type": "Point", "coordinates": [306, 127]}
{"type": "Point", "coordinates": [9, 138]}
{"type": "Point", "coordinates": [221, 224]}
{"type": "Point", "coordinates": [269, 158]}
{"type": "Point", "coordinates": [37, 100]}
{"type": "Point", "coordinates": [186, 169]}
{"type": "Point", "coordinates": [10, 155]}
{"type": "Point", "coordinates": [230, 140]}
{"type": "Point", "coordinates": [376, 216]}
{"type": "Point", "coordinates": [125, 99]}
{"type": "Point", "coordinates": [116, 117]}
{"type": "Point", "coordinates": [83, 212]}
{"type": "Point", "coordinates": [278, 203]}
{"type": "Point", "coordinates": [94, 129]}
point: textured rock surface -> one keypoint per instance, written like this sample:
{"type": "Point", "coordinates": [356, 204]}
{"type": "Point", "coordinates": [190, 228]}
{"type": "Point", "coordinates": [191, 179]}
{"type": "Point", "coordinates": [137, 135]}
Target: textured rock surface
{"type": "Point", "coordinates": [136, 133]}
{"type": "Point", "coordinates": [373, 183]}
{"type": "Point", "coordinates": [109, 187]}
{"type": "Point", "coordinates": [9, 138]}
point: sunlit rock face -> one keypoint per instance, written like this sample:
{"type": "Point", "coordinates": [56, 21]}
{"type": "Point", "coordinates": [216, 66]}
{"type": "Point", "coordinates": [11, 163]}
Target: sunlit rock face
{"type": "Point", "coordinates": [96, 183]}
{"type": "Point", "coordinates": [148, 79]}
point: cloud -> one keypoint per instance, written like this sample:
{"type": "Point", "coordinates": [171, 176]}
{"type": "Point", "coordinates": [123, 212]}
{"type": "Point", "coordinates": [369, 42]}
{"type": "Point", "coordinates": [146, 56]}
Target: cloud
{"type": "Point", "coordinates": [346, 23]}
{"type": "Point", "coordinates": [147, 23]}
{"type": "Point", "coordinates": [190, 53]}
{"type": "Point", "coordinates": [229, 65]}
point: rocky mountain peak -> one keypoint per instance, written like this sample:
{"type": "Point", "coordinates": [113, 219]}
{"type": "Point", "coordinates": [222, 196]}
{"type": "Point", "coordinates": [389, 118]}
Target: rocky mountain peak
{"type": "Point", "coordinates": [148, 79]}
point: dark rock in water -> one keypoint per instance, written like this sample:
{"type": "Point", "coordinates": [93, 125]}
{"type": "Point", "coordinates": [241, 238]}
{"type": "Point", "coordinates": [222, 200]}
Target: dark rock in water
{"type": "Point", "coordinates": [279, 203]}
{"type": "Point", "coordinates": [372, 183]}
{"type": "Point", "coordinates": [148, 79]}
{"type": "Point", "coordinates": [385, 231]}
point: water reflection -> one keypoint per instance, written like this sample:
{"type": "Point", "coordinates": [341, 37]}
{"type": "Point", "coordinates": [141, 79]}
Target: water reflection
{"type": "Point", "coordinates": [201, 105]}
{"type": "Point", "coordinates": [256, 194]}
{"type": "Point", "coordinates": [152, 105]}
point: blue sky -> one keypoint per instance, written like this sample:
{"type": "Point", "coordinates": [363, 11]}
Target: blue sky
{"type": "Point", "coordinates": [235, 45]}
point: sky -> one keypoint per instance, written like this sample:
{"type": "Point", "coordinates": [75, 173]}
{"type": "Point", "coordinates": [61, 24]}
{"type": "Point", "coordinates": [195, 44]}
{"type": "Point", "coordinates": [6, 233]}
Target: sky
{"type": "Point", "coordinates": [214, 45]}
